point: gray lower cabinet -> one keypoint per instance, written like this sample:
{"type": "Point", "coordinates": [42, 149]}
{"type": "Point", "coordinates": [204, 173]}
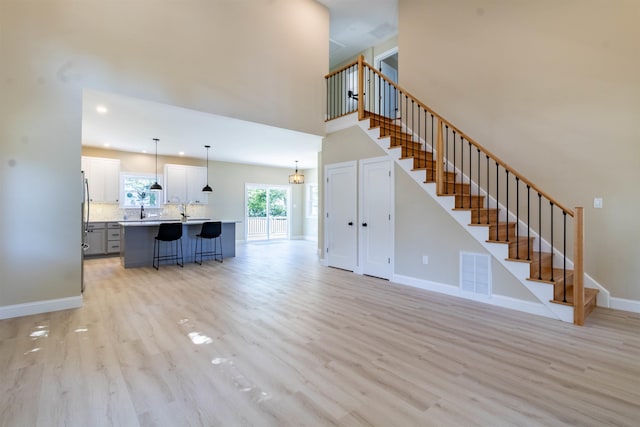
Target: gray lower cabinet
{"type": "Point", "coordinates": [95, 238]}
{"type": "Point", "coordinates": [113, 238]}
{"type": "Point", "coordinates": [103, 238]}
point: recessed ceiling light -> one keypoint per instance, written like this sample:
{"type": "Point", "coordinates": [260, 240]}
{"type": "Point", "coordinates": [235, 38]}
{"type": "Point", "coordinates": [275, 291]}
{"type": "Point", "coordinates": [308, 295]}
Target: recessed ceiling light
{"type": "Point", "coordinates": [144, 151]}
{"type": "Point", "coordinates": [181, 153]}
{"type": "Point", "coordinates": [101, 109]}
{"type": "Point", "coordinates": [107, 145]}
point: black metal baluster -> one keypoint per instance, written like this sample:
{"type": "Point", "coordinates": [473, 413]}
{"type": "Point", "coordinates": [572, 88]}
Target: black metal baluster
{"type": "Point", "coordinates": [497, 202]}
{"type": "Point", "coordinates": [347, 102]}
{"type": "Point", "coordinates": [564, 266]}
{"type": "Point", "coordinates": [379, 97]}
{"type": "Point", "coordinates": [331, 99]}
{"type": "Point", "coordinates": [340, 103]}
{"type": "Point", "coordinates": [454, 162]}
{"type": "Point", "coordinates": [413, 127]}
{"type": "Point", "coordinates": [528, 222]}
{"type": "Point", "coordinates": [517, 217]}
{"type": "Point", "coordinates": [539, 236]}
{"type": "Point", "coordinates": [488, 191]}
{"type": "Point", "coordinates": [433, 165]}
{"type": "Point", "coordinates": [326, 84]}
{"type": "Point", "coordinates": [551, 207]}
{"type": "Point", "coordinates": [368, 90]}
{"type": "Point", "coordinates": [470, 173]}
{"type": "Point", "coordinates": [354, 89]}
{"type": "Point", "coordinates": [419, 136]}
{"type": "Point", "coordinates": [446, 160]}
{"type": "Point", "coordinates": [478, 189]}
{"type": "Point", "coordinates": [343, 84]}
{"type": "Point", "coordinates": [506, 227]}
{"type": "Point", "coordinates": [385, 105]}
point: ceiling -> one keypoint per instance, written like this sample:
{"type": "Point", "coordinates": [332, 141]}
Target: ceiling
{"type": "Point", "coordinates": [130, 124]}
{"type": "Point", "coordinates": [359, 24]}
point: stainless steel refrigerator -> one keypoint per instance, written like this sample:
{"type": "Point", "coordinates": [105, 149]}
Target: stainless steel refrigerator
{"type": "Point", "coordinates": [86, 211]}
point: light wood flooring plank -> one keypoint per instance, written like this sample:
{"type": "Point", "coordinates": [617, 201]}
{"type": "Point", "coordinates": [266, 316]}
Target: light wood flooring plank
{"type": "Point", "coordinates": [272, 338]}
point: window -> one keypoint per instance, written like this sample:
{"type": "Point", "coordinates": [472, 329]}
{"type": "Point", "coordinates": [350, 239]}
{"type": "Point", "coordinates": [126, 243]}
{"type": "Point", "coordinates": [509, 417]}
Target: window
{"type": "Point", "coordinates": [135, 191]}
{"type": "Point", "coordinates": [312, 200]}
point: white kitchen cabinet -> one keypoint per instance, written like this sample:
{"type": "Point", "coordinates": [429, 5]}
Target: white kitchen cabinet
{"type": "Point", "coordinates": [104, 178]}
{"type": "Point", "coordinates": [175, 183]}
{"type": "Point", "coordinates": [196, 180]}
{"type": "Point", "coordinates": [183, 184]}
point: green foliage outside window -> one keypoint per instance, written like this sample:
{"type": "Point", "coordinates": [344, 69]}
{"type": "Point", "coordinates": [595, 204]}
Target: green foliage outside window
{"type": "Point", "coordinates": [257, 202]}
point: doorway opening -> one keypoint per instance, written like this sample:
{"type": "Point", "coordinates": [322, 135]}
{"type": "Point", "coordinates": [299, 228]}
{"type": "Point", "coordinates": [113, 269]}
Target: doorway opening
{"type": "Point", "coordinates": [267, 211]}
{"type": "Point", "coordinates": [387, 64]}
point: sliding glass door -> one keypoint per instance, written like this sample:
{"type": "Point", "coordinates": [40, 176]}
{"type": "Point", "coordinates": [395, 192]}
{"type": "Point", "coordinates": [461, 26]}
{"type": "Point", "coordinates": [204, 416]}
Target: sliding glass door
{"type": "Point", "coordinates": [267, 211]}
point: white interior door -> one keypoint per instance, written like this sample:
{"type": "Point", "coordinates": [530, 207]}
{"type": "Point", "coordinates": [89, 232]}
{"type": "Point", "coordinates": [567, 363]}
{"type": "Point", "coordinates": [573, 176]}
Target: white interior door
{"type": "Point", "coordinates": [376, 217]}
{"type": "Point", "coordinates": [341, 216]}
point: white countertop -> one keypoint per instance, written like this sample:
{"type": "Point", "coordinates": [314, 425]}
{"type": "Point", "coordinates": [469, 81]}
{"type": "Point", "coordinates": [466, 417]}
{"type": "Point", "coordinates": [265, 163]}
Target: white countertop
{"type": "Point", "coordinates": [149, 223]}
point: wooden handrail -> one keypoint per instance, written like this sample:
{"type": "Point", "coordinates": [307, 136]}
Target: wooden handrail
{"type": "Point", "coordinates": [578, 267]}
{"type": "Point", "coordinates": [473, 142]}
{"type": "Point", "coordinates": [333, 73]}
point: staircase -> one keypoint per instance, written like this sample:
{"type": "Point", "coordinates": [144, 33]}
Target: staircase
{"type": "Point", "coordinates": [476, 187]}
{"type": "Point", "coordinates": [520, 248]}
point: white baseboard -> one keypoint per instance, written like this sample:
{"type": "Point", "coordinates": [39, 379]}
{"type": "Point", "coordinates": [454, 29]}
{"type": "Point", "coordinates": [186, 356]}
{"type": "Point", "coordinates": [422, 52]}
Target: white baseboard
{"type": "Point", "coordinates": [27, 309]}
{"type": "Point", "coordinates": [497, 300]}
{"type": "Point", "coordinates": [624, 304]}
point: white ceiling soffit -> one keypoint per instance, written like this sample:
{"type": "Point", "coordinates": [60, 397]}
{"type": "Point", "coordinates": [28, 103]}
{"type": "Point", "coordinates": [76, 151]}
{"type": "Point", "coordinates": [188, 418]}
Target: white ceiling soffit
{"type": "Point", "coordinates": [130, 124]}
{"type": "Point", "coordinates": [359, 24]}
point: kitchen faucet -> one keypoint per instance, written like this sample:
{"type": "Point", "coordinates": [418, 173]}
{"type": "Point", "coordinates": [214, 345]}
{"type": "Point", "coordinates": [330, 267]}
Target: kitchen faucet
{"type": "Point", "coordinates": [142, 214]}
{"type": "Point", "coordinates": [184, 211]}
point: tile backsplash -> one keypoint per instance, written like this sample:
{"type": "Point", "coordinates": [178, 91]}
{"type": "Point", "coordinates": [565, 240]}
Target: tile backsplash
{"type": "Point", "coordinates": [112, 212]}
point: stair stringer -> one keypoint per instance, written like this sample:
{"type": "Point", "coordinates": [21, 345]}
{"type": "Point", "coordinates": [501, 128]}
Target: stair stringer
{"type": "Point", "coordinates": [520, 270]}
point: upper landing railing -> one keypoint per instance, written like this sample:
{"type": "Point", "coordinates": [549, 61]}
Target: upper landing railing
{"type": "Point", "coordinates": [516, 210]}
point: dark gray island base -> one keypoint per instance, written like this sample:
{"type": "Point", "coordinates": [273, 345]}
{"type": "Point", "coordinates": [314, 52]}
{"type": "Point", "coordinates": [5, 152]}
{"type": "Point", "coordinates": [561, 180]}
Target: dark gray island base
{"type": "Point", "coordinates": [137, 237]}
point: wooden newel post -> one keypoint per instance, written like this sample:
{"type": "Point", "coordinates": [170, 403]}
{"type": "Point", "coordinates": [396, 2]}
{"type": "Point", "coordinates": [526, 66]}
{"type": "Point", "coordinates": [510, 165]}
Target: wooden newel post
{"type": "Point", "coordinates": [440, 160]}
{"type": "Point", "coordinates": [360, 87]}
{"type": "Point", "coordinates": [578, 267]}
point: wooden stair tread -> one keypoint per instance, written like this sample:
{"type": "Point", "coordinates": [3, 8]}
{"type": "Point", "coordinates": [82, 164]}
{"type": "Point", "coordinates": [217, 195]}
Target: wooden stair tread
{"type": "Point", "coordinates": [512, 239]}
{"type": "Point", "coordinates": [546, 256]}
{"type": "Point", "coordinates": [590, 296]}
{"type": "Point", "coordinates": [558, 277]}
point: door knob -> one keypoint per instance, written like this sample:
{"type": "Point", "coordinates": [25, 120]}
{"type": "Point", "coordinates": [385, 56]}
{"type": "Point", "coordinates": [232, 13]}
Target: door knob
{"type": "Point", "coordinates": [350, 223]}
{"type": "Point", "coordinates": [364, 224]}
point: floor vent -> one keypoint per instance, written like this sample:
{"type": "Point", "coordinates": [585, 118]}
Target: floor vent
{"type": "Point", "coordinates": [475, 273]}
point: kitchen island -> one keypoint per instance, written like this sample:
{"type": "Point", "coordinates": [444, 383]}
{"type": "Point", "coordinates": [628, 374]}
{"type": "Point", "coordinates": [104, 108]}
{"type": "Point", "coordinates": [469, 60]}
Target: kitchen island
{"type": "Point", "coordinates": [137, 239]}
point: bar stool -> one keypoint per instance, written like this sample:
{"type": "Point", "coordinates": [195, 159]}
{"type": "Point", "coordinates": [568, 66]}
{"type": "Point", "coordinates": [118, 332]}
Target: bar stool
{"type": "Point", "coordinates": [168, 232]}
{"type": "Point", "coordinates": [210, 230]}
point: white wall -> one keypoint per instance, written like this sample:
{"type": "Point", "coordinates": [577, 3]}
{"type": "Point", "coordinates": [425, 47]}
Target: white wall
{"type": "Point", "coordinates": [251, 59]}
{"type": "Point", "coordinates": [310, 223]}
{"type": "Point", "coordinates": [553, 88]}
{"type": "Point", "coordinates": [421, 226]}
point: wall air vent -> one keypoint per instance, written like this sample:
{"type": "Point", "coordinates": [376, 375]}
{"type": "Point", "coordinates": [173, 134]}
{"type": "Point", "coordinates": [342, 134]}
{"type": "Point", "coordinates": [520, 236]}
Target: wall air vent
{"type": "Point", "coordinates": [475, 273]}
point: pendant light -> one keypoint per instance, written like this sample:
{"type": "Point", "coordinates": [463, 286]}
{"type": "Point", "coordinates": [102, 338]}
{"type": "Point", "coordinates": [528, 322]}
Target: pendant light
{"type": "Point", "coordinates": [296, 178]}
{"type": "Point", "coordinates": [206, 188]}
{"type": "Point", "coordinates": [156, 186]}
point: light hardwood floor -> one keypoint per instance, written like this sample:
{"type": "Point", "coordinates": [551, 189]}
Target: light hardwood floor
{"type": "Point", "coordinates": [271, 338]}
